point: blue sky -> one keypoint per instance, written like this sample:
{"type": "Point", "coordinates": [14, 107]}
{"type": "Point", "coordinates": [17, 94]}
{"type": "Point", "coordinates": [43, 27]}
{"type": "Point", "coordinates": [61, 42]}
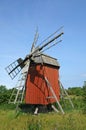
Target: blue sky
{"type": "Point", "coordinates": [18, 22]}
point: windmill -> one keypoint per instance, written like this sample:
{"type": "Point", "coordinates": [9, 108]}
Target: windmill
{"type": "Point", "coordinates": [38, 83]}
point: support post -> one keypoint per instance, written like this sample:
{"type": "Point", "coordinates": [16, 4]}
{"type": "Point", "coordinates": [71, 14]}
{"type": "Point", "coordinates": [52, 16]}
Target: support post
{"type": "Point", "coordinates": [36, 111]}
{"type": "Point", "coordinates": [54, 95]}
{"type": "Point", "coordinates": [65, 92]}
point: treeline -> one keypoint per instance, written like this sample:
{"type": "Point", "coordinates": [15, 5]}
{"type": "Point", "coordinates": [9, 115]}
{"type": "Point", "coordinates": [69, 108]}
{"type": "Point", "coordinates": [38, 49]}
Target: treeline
{"type": "Point", "coordinates": [77, 91]}
{"type": "Point", "coordinates": [78, 95]}
{"type": "Point", "coordinates": [6, 93]}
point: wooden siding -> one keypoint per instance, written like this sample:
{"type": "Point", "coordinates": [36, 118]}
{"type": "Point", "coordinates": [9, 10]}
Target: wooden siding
{"type": "Point", "coordinates": [36, 88]}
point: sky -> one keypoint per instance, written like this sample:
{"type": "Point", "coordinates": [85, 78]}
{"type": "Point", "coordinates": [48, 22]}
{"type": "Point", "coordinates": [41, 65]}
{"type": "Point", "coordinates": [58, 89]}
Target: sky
{"type": "Point", "coordinates": [18, 22]}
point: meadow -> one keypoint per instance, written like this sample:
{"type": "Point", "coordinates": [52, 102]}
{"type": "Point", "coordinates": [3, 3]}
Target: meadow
{"type": "Point", "coordinates": [12, 120]}
{"type": "Point", "coordinates": [73, 119]}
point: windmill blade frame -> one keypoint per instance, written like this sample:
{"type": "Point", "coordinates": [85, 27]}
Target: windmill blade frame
{"type": "Point", "coordinates": [50, 36]}
{"type": "Point", "coordinates": [35, 40]}
{"type": "Point", "coordinates": [14, 68]}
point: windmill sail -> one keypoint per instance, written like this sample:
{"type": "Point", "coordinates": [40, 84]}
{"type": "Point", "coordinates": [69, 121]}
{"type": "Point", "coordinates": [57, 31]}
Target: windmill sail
{"type": "Point", "coordinates": [35, 40]}
{"type": "Point", "coordinates": [40, 48]}
{"type": "Point", "coordinates": [14, 68]}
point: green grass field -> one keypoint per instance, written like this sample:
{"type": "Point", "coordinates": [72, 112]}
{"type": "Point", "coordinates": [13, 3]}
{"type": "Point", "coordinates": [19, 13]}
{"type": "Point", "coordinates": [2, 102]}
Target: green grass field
{"type": "Point", "coordinates": [10, 120]}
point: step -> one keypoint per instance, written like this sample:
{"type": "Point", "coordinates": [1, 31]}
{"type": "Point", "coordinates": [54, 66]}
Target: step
{"type": "Point", "coordinates": [50, 97]}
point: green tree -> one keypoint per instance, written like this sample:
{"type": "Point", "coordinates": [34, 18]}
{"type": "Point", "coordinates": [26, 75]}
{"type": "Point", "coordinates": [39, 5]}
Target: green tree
{"type": "Point", "coordinates": [78, 91]}
{"type": "Point", "coordinates": [84, 98]}
{"type": "Point", "coordinates": [3, 89]}
{"type": "Point", "coordinates": [4, 94]}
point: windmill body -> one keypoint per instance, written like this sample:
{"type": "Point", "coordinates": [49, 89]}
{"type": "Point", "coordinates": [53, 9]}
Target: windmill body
{"type": "Point", "coordinates": [39, 80]}
{"type": "Point", "coordinates": [37, 91]}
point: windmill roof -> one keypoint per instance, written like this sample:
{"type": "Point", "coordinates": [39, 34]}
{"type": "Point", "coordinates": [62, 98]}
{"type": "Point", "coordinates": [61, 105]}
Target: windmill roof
{"type": "Point", "coordinates": [42, 58]}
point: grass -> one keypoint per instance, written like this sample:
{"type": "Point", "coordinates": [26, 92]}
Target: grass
{"type": "Point", "coordinates": [10, 120]}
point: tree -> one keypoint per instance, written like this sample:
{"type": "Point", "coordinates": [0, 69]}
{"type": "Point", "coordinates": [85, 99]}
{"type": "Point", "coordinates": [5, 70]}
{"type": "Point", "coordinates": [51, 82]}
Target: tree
{"type": "Point", "coordinates": [2, 89]}
{"type": "Point", "coordinates": [75, 91]}
{"type": "Point", "coordinates": [4, 94]}
{"type": "Point", "coordinates": [84, 98]}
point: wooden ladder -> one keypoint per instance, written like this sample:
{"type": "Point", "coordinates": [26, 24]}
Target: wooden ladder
{"type": "Point", "coordinates": [17, 95]}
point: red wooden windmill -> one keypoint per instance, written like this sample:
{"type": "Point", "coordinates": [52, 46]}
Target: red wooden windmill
{"type": "Point", "coordinates": [39, 80]}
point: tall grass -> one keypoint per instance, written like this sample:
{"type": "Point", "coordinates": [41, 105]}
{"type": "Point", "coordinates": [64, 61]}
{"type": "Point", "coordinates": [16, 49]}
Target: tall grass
{"type": "Point", "coordinates": [74, 120]}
